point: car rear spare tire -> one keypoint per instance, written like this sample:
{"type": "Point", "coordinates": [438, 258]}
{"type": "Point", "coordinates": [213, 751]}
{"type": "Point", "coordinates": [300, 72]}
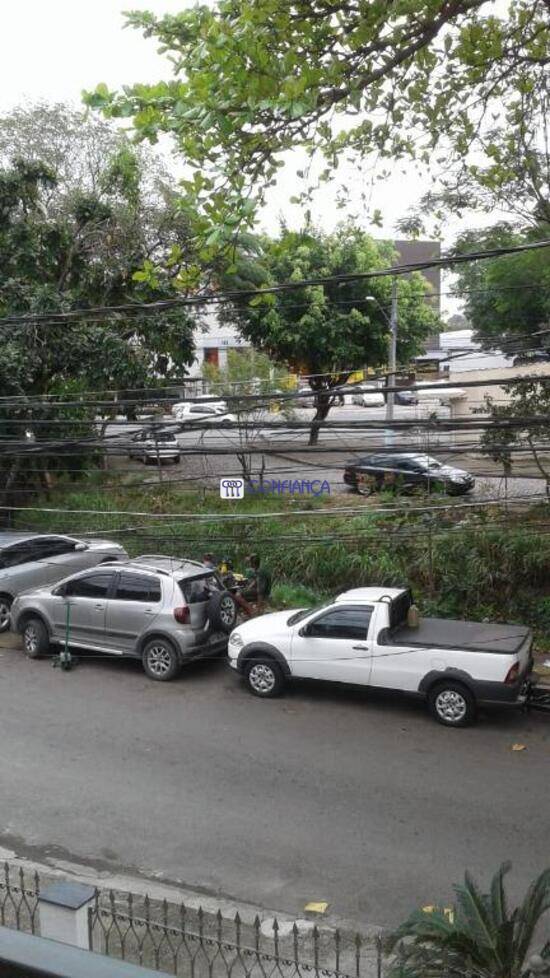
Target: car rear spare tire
{"type": "Point", "coordinates": [452, 704]}
{"type": "Point", "coordinates": [222, 611]}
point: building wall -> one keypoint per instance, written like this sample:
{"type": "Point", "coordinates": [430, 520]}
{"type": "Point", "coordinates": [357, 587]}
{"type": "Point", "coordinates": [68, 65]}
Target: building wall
{"type": "Point", "coordinates": [473, 398]}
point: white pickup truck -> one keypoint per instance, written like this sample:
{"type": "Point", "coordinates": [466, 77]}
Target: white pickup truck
{"type": "Point", "coordinates": [362, 637]}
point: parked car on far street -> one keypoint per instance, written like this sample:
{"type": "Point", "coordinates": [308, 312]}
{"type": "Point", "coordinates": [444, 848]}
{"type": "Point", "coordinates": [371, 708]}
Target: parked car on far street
{"type": "Point", "coordinates": [154, 446]}
{"type": "Point", "coordinates": [405, 398]}
{"type": "Point", "coordinates": [370, 398]}
{"type": "Point", "coordinates": [368, 637]}
{"type": "Point", "coordinates": [204, 414]}
{"type": "Point", "coordinates": [405, 470]}
{"type": "Point", "coordinates": [164, 611]}
{"type": "Point", "coordinates": [29, 560]}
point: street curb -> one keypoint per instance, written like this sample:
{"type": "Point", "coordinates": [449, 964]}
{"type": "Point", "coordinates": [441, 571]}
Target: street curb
{"type": "Point", "coordinates": [174, 893]}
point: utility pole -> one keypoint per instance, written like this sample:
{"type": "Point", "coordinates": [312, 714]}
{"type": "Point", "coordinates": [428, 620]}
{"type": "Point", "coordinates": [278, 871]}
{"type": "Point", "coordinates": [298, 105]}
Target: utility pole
{"type": "Point", "coordinates": [392, 361]}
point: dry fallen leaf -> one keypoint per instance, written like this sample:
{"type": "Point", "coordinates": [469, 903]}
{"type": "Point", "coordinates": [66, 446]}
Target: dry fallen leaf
{"type": "Point", "coordinates": [519, 747]}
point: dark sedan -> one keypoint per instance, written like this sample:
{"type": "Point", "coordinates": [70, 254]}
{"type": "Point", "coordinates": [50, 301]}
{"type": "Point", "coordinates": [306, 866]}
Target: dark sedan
{"type": "Point", "coordinates": [405, 471]}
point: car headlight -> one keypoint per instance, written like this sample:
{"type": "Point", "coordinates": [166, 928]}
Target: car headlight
{"type": "Point", "coordinates": [235, 641]}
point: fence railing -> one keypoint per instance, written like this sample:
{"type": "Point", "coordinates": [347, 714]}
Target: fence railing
{"type": "Point", "coordinates": [19, 894]}
{"type": "Point", "coordinates": [195, 943]}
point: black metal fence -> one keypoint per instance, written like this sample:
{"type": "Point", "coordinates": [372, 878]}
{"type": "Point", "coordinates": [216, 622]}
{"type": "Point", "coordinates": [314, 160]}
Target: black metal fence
{"type": "Point", "coordinates": [197, 943]}
{"type": "Point", "coordinates": [19, 899]}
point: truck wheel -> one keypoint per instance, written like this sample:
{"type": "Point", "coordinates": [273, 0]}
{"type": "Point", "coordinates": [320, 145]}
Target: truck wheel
{"type": "Point", "coordinates": [264, 677]}
{"type": "Point", "coordinates": [452, 704]}
{"type": "Point", "coordinates": [5, 606]}
{"type": "Point", "coordinates": [160, 660]}
{"type": "Point", "coordinates": [36, 641]}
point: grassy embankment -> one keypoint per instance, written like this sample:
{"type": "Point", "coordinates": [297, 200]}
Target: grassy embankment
{"type": "Point", "coordinates": [465, 563]}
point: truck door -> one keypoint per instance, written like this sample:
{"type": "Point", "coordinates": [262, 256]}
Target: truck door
{"type": "Point", "coordinates": [333, 646]}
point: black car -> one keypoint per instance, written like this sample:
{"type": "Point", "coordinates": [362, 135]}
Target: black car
{"type": "Point", "coordinates": [405, 471]}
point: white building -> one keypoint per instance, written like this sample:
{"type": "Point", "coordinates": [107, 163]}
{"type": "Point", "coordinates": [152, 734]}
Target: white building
{"type": "Point", "coordinates": [463, 353]}
{"type": "Point", "coordinates": [212, 344]}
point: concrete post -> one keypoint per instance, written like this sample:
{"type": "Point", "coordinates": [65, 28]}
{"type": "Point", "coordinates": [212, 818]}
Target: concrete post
{"type": "Point", "coordinates": [63, 909]}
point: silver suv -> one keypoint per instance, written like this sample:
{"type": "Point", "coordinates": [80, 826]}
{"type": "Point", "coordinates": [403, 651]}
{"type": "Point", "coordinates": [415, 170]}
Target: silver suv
{"type": "Point", "coordinates": [162, 610]}
{"type": "Point", "coordinates": [28, 560]}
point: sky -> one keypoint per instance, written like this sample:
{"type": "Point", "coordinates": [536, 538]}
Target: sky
{"type": "Point", "coordinates": [53, 49]}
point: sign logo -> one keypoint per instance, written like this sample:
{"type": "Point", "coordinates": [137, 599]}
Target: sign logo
{"type": "Point", "coordinates": [231, 488]}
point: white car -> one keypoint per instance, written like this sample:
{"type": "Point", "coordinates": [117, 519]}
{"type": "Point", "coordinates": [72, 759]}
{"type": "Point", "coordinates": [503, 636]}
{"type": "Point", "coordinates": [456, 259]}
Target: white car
{"type": "Point", "coordinates": [369, 637]}
{"type": "Point", "coordinates": [368, 399]}
{"type": "Point", "coordinates": [203, 414]}
{"type": "Point", "coordinates": [203, 400]}
{"type": "Point", "coordinates": [154, 446]}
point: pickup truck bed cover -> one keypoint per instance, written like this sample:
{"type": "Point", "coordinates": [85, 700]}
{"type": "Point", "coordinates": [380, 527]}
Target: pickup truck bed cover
{"type": "Point", "coordinates": [444, 633]}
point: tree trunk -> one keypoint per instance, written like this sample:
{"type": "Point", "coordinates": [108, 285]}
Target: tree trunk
{"type": "Point", "coordinates": [323, 404]}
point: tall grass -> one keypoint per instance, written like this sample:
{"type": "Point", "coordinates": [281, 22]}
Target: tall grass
{"type": "Point", "coordinates": [480, 569]}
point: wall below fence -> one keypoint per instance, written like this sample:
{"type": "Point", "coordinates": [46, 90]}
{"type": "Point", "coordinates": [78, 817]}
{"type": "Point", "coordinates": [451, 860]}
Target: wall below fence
{"type": "Point", "coordinates": [179, 940]}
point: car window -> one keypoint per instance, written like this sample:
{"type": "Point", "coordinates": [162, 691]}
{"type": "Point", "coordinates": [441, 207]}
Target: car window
{"type": "Point", "coordinates": [52, 547]}
{"type": "Point", "coordinates": [137, 587]}
{"type": "Point", "coordinates": [342, 623]}
{"type": "Point", "coordinates": [195, 589]}
{"type": "Point", "coordinates": [20, 553]}
{"type": "Point", "coordinates": [407, 464]}
{"type": "Point", "coordinates": [92, 586]}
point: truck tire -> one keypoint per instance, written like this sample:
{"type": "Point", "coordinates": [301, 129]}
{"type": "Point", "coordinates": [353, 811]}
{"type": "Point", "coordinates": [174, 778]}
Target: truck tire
{"type": "Point", "coordinates": [222, 611]}
{"type": "Point", "coordinates": [264, 677]}
{"type": "Point", "coordinates": [36, 641]}
{"type": "Point", "coordinates": [452, 704]}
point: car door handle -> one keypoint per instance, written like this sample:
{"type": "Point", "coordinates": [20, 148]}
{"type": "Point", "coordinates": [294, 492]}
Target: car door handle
{"type": "Point", "coordinates": [100, 607]}
{"type": "Point", "coordinates": [360, 648]}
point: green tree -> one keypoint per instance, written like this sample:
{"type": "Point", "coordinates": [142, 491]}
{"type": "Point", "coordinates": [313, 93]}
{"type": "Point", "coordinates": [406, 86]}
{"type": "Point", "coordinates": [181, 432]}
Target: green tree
{"type": "Point", "coordinates": [328, 331]}
{"type": "Point", "coordinates": [89, 252]}
{"type": "Point", "coordinates": [445, 81]}
{"type": "Point", "coordinates": [480, 937]}
{"type": "Point", "coordinates": [507, 300]}
{"type": "Point", "coordinates": [248, 373]}
{"type": "Point", "coordinates": [524, 424]}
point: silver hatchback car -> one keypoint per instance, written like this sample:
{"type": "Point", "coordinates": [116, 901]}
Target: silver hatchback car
{"type": "Point", "coordinates": [28, 560]}
{"type": "Point", "coordinates": [162, 610]}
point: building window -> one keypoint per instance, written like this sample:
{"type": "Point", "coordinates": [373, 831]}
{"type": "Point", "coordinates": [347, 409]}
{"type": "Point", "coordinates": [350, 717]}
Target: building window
{"type": "Point", "coordinates": [211, 356]}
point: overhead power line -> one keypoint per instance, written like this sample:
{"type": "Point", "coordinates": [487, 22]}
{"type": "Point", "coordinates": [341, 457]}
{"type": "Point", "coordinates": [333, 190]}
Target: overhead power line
{"type": "Point", "coordinates": [163, 305]}
{"type": "Point", "coordinates": [277, 514]}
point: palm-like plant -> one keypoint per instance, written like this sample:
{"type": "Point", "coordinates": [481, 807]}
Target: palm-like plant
{"type": "Point", "coordinates": [479, 938]}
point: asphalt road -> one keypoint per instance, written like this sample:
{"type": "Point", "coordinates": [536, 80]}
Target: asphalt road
{"type": "Point", "coordinates": [287, 456]}
{"type": "Point", "coordinates": [330, 794]}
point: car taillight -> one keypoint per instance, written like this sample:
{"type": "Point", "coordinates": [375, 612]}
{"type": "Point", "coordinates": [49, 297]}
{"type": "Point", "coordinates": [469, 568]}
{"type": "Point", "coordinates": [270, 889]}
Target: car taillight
{"type": "Point", "coordinates": [512, 675]}
{"type": "Point", "coordinates": [182, 615]}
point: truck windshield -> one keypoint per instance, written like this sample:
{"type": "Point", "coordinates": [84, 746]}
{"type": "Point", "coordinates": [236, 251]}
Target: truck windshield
{"type": "Point", "coordinates": [304, 612]}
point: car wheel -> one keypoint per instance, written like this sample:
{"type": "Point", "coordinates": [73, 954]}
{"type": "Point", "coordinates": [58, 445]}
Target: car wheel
{"type": "Point", "coordinates": [160, 660]}
{"type": "Point", "coordinates": [222, 611]}
{"type": "Point", "coordinates": [5, 607]}
{"type": "Point", "coordinates": [36, 641]}
{"type": "Point", "coordinates": [368, 488]}
{"type": "Point", "coordinates": [452, 704]}
{"type": "Point", "coordinates": [176, 460]}
{"type": "Point", "coordinates": [264, 677]}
